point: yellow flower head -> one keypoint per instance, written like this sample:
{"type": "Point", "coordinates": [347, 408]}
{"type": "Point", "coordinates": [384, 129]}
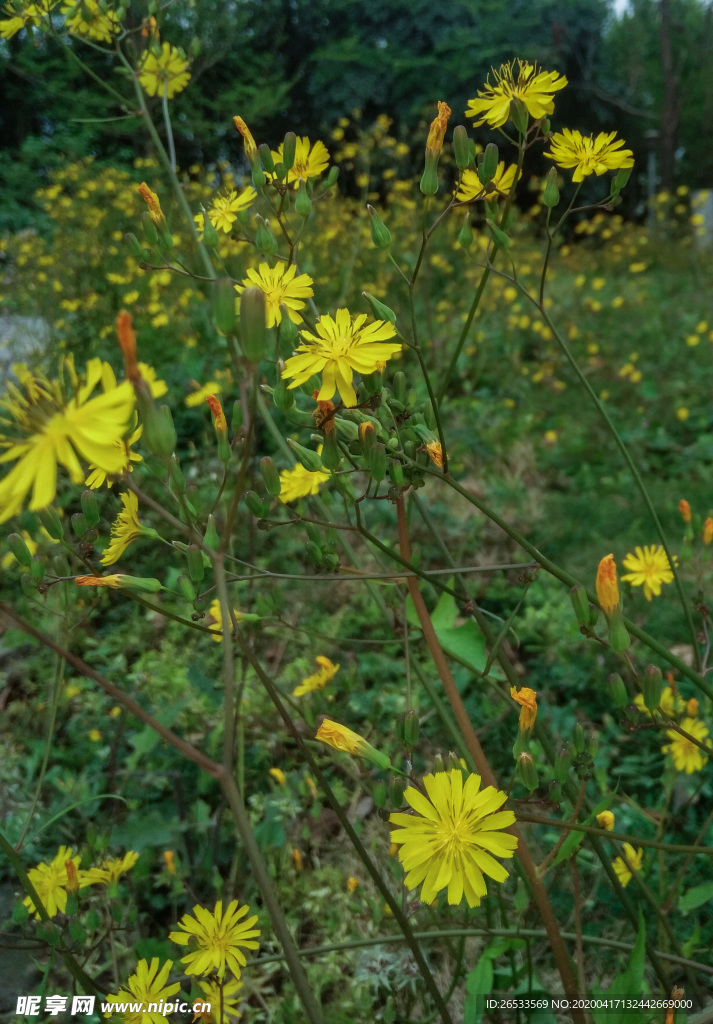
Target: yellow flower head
{"type": "Point", "coordinates": [649, 567]}
{"type": "Point", "coordinates": [341, 346]}
{"type": "Point", "coordinates": [30, 16]}
{"type": "Point", "coordinates": [225, 209]}
{"type": "Point", "coordinates": [588, 155]}
{"type": "Point", "coordinates": [90, 19]}
{"type": "Point", "coordinates": [216, 614]}
{"type": "Point", "coordinates": [607, 586]}
{"type": "Point", "coordinates": [153, 203]}
{"type": "Point", "coordinates": [281, 288]}
{"type": "Point", "coordinates": [605, 819]}
{"type": "Point", "coordinates": [437, 131]}
{"type": "Point", "coordinates": [687, 756]}
{"type": "Point", "coordinates": [218, 995]}
{"type": "Point", "coordinates": [110, 870]}
{"type": "Point", "coordinates": [216, 939]}
{"type": "Point", "coordinates": [125, 529]}
{"type": "Point", "coordinates": [310, 162]}
{"type": "Point", "coordinates": [164, 74]}
{"type": "Point", "coordinates": [685, 509]}
{"type": "Point", "coordinates": [453, 838]}
{"type": "Point", "coordinates": [471, 187]}
{"type": "Point", "coordinates": [148, 985]}
{"type": "Point", "coordinates": [670, 702]}
{"type": "Point", "coordinates": [708, 530]}
{"type": "Point", "coordinates": [516, 80]}
{"type": "Point", "coordinates": [53, 422]}
{"type": "Point", "coordinates": [527, 699]}
{"type": "Point", "coordinates": [278, 775]}
{"type": "Point", "coordinates": [168, 859]}
{"type": "Point", "coordinates": [299, 482]}
{"type": "Point", "coordinates": [249, 143]}
{"type": "Point", "coordinates": [51, 882]}
{"type": "Point", "coordinates": [692, 707]}
{"type": "Point", "coordinates": [625, 866]}
{"type": "Point", "coordinates": [352, 884]}
{"type": "Point", "coordinates": [317, 681]}
{"type": "Point", "coordinates": [199, 396]}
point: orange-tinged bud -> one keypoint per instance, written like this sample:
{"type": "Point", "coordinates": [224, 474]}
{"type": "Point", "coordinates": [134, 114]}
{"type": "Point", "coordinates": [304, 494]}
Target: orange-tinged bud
{"type": "Point", "coordinates": [527, 699]}
{"type": "Point", "coordinates": [435, 453]}
{"type": "Point", "coordinates": [72, 876]}
{"type": "Point", "coordinates": [607, 585]}
{"type": "Point", "coordinates": [685, 509]}
{"type": "Point", "coordinates": [127, 343]}
{"type": "Point", "coordinates": [297, 859]}
{"type": "Point", "coordinates": [324, 416]}
{"type": "Point", "coordinates": [248, 141]}
{"type": "Point", "coordinates": [153, 203]}
{"type": "Point", "coordinates": [219, 421]}
{"type": "Point", "coordinates": [436, 134]}
{"type": "Point", "coordinates": [367, 436]}
{"type": "Point", "coordinates": [168, 860]}
{"type": "Point", "coordinates": [692, 707]}
{"type": "Point", "coordinates": [708, 530]}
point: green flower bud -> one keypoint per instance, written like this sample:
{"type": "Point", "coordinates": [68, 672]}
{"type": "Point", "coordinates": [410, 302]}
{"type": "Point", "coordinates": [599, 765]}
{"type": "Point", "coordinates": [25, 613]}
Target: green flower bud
{"type": "Point", "coordinates": [592, 744]}
{"type": "Point", "coordinates": [397, 785]}
{"type": "Point", "coordinates": [211, 538]}
{"type": "Point", "coordinates": [367, 437]}
{"type": "Point", "coordinates": [210, 232]}
{"type": "Point", "coordinates": [90, 507]}
{"type": "Point", "coordinates": [134, 246]}
{"type": "Point", "coordinates": [617, 690]}
{"type": "Point", "coordinates": [79, 524]}
{"type": "Point", "coordinates": [331, 179]}
{"type": "Point", "coordinates": [527, 770]}
{"type": "Point", "coordinates": [429, 178]}
{"type": "Point", "coordinates": [554, 791]}
{"type": "Point", "coordinates": [377, 462]}
{"type": "Point", "coordinates": [653, 686]}
{"type": "Point", "coordinates": [196, 567]}
{"type": "Point", "coordinates": [51, 522]}
{"type": "Point", "coordinates": [150, 232]}
{"type": "Point", "coordinates": [621, 179]}
{"type": "Point", "coordinates": [253, 330]}
{"type": "Point", "coordinates": [411, 728]}
{"type": "Point", "coordinates": [165, 238]}
{"type": "Point", "coordinates": [580, 604]}
{"type": "Point", "coordinates": [146, 584]}
{"type": "Point", "coordinates": [236, 419]}
{"type": "Point", "coordinates": [619, 639]}
{"type": "Point", "coordinates": [346, 429]}
{"type": "Point", "coordinates": [20, 550]}
{"type": "Point", "coordinates": [314, 552]}
{"type": "Point", "coordinates": [20, 913]}
{"type": "Point", "coordinates": [258, 175]}
{"type": "Point", "coordinates": [380, 234]}
{"type": "Point", "coordinates": [563, 760]}
{"type": "Point", "coordinates": [379, 793]}
{"type": "Point", "coordinates": [488, 166]}
{"type": "Point", "coordinates": [399, 386]}
{"type": "Point", "coordinates": [280, 171]}
{"type": "Point", "coordinates": [270, 476]}
{"type": "Point", "coordinates": [77, 932]}
{"type": "Point", "coordinates": [60, 565]}
{"type": "Point", "coordinates": [438, 765]}
{"type": "Point", "coordinates": [289, 149]}
{"type": "Point", "coordinates": [257, 506]}
{"type": "Point", "coordinates": [466, 236]}
{"type": "Point", "coordinates": [27, 587]}
{"type": "Point", "coordinates": [186, 588]}
{"type": "Point", "coordinates": [461, 149]}
{"type": "Point", "coordinates": [519, 115]}
{"type": "Point", "coordinates": [502, 241]}
{"type": "Point", "coordinates": [265, 241]}
{"type": "Point", "coordinates": [303, 203]}
{"type": "Point", "coordinates": [283, 397]}
{"type": "Point", "coordinates": [37, 568]}
{"type": "Point", "coordinates": [551, 194]}
{"type": "Point", "coordinates": [396, 473]}
{"type": "Point", "coordinates": [288, 330]}
{"type": "Point", "coordinates": [309, 459]}
{"type": "Point", "coordinates": [266, 157]}
{"type": "Point", "coordinates": [159, 434]}
{"type": "Point", "coordinates": [331, 454]}
{"type": "Point", "coordinates": [178, 480]}
{"type": "Point", "coordinates": [379, 309]}
{"type": "Point", "coordinates": [224, 305]}
{"type": "Point", "coordinates": [578, 738]}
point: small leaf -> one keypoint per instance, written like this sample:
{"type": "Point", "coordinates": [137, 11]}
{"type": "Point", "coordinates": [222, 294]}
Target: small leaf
{"type": "Point", "coordinates": [695, 897]}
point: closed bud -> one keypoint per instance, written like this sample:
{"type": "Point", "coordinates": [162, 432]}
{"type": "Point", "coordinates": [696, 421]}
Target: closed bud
{"type": "Point", "coordinates": [289, 149]}
{"type": "Point", "coordinates": [90, 507]}
{"type": "Point", "coordinates": [196, 568]}
{"type": "Point", "coordinates": [465, 235]}
{"type": "Point", "coordinates": [519, 115]}
{"type": "Point", "coordinates": [280, 171]}
{"type": "Point", "coordinates": [554, 791]}
{"type": "Point", "coordinates": [580, 604]}
{"type": "Point", "coordinates": [20, 550]}
{"type": "Point", "coordinates": [147, 584]}
{"type": "Point", "coordinates": [313, 533]}
{"type": "Point", "coordinates": [377, 462]}
{"type": "Point", "coordinates": [346, 429]}
{"type": "Point", "coordinates": [396, 473]}
{"type": "Point", "coordinates": [528, 771]}
{"type": "Point", "coordinates": [551, 194]}
{"type": "Point", "coordinates": [563, 760]}
{"type": "Point", "coordinates": [159, 434]}
{"type": "Point", "coordinates": [266, 157]}
{"type": "Point", "coordinates": [265, 241]}
{"type": "Point", "coordinates": [236, 419]}
{"type": "Point", "coordinates": [134, 245]}
{"type": "Point", "coordinates": [367, 438]}
{"type": "Point", "coordinates": [253, 331]}
{"type": "Point", "coordinates": [224, 305]}
{"type": "Point", "coordinates": [303, 203]}
{"type": "Point", "coordinates": [380, 310]}
{"type": "Point", "coordinates": [210, 232]}
{"type": "Point", "coordinates": [399, 386]}
{"type": "Point", "coordinates": [461, 149]}
{"type": "Point", "coordinates": [257, 506]}
{"type": "Point", "coordinates": [592, 744]}
{"type": "Point", "coordinates": [578, 738]}
{"type": "Point", "coordinates": [380, 234]}
{"type": "Point", "coordinates": [593, 615]}
{"type": "Point", "coordinates": [619, 639]}
{"type": "Point", "coordinates": [621, 179]}
{"type": "Point", "coordinates": [283, 397]}
{"type": "Point", "coordinates": [438, 765]}
{"type": "Point", "coordinates": [150, 232]}
{"type": "Point", "coordinates": [270, 476]}
{"type": "Point", "coordinates": [314, 552]}
{"type": "Point", "coordinates": [51, 522]}
{"type": "Point", "coordinates": [502, 241]}
{"type": "Point", "coordinates": [79, 524]}
{"type": "Point", "coordinates": [188, 591]}
{"type": "Point", "coordinates": [27, 587]}
{"type": "Point", "coordinates": [211, 538]}
{"type": "Point", "coordinates": [454, 762]}
{"type": "Point", "coordinates": [379, 793]}
{"type": "Point", "coordinates": [178, 480]}
{"type": "Point", "coordinates": [60, 565]}
{"type": "Point", "coordinates": [331, 454]}
{"type": "Point", "coordinates": [37, 568]}
{"type": "Point", "coordinates": [429, 179]}
{"type": "Point", "coordinates": [331, 179]}
{"type": "Point", "coordinates": [397, 785]}
{"type": "Point", "coordinates": [309, 459]}
{"type": "Point", "coordinates": [617, 691]}
{"type": "Point", "coordinates": [489, 163]}
{"type": "Point", "coordinates": [20, 913]}
{"type": "Point", "coordinates": [653, 687]}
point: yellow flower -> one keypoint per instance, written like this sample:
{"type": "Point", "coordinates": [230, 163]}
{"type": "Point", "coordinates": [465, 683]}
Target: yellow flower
{"type": "Point", "coordinates": [30, 17]}
{"type": "Point", "coordinates": [166, 74]}
{"type": "Point", "coordinates": [637, 268]}
{"type": "Point", "coordinates": [516, 80]}
{"type": "Point", "coordinates": [527, 699]}
{"type": "Point", "coordinates": [109, 870]}
{"type": "Point", "coordinates": [297, 859]}
{"type": "Point", "coordinates": [199, 396]}
{"type": "Point", "coordinates": [216, 615]}
{"type": "Point", "coordinates": [216, 939]}
{"type": "Point", "coordinates": [649, 568]}
{"type": "Point", "coordinates": [450, 841]}
{"type": "Point", "coordinates": [317, 681]}
{"type": "Point", "coordinates": [53, 421]}
{"type": "Point", "coordinates": [51, 881]}
{"type": "Point", "coordinates": [125, 529]}
{"type": "Point", "coordinates": [278, 775]}
{"type": "Point", "coordinates": [341, 346]}
{"type": "Point", "coordinates": [685, 509]}
{"type": "Point", "coordinates": [692, 707]}
{"type": "Point", "coordinates": [309, 162]}
{"type": "Point", "coordinates": [94, 736]}
{"type": "Point", "coordinates": [607, 586]}
{"type": "Point", "coordinates": [352, 884]}
{"type": "Point", "coordinates": [471, 187]}
{"type": "Point", "coordinates": [605, 819]}
{"type": "Point", "coordinates": [148, 985]}
{"type": "Point", "coordinates": [341, 738]}
{"type": "Point", "coordinates": [168, 859]}
{"type": "Point", "coordinates": [281, 287]}
{"type": "Point", "coordinates": [670, 703]}
{"type": "Point", "coordinates": [588, 155]}
{"type": "Point", "coordinates": [687, 756]}
{"type": "Point", "coordinates": [120, 581]}
{"type": "Point", "coordinates": [437, 131]}
{"type": "Point", "coordinates": [88, 18]}
{"type": "Point", "coordinates": [708, 530]}
{"type": "Point", "coordinates": [435, 453]}
{"type": "Point", "coordinates": [299, 482]}
{"type": "Point", "coordinates": [219, 995]}
{"type": "Point", "coordinates": [624, 868]}
{"type": "Point", "coordinates": [225, 209]}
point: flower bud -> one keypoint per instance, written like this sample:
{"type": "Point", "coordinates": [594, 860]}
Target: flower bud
{"type": "Point", "coordinates": [578, 738]}
{"type": "Point", "coordinates": [465, 235]}
{"type": "Point", "coordinates": [51, 522]}
{"type": "Point", "coordinates": [314, 552]}
{"type": "Point", "coordinates": [253, 330]}
{"type": "Point", "coordinates": [379, 309]}
{"type": "Point", "coordinates": [519, 115]}
{"type": "Point", "coordinates": [461, 149]}
{"type": "Point", "coordinates": [563, 760]}
{"type": "Point", "coordinates": [20, 550]}
{"type": "Point", "coordinates": [27, 587]}
{"type": "Point", "coordinates": [303, 203]}
{"type": "Point", "coordinates": [396, 473]}
{"type": "Point", "coordinates": [159, 434]}
{"type": "Point", "coordinates": [266, 157]}
{"type": "Point", "coordinates": [265, 241]}
{"type": "Point", "coordinates": [37, 568]}
{"type": "Point", "coordinates": [619, 639]}
{"type": "Point", "coordinates": [346, 429]}
{"type": "Point", "coordinates": [289, 150]}
{"type": "Point", "coordinates": [331, 454]}
{"type": "Point", "coordinates": [397, 785]}
{"type": "Point", "coordinates": [429, 179]}
{"type": "Point", "coordinates": [309, 459]}
{"type": "Point", "coordinates": [60, 565]}
{"type": "Point", "coordinates": [147, 584]}
{"type": "Point", "coordinates": [79, 524]}
{"type": "Point", "coordinates": [258, 175]}
{"type": "Point", "coordinates": [331, 179]}
{"type": "Point", "coordinates": [580, 604]}
{"type": "Point", "coordinates": [617, 690]}
{"type": "Point", "coordinates": [551, 194]}
{"type": "Point", "coordinates": [367, 438]}
{"type": "Point", "coordinates": [592, 744]}
{"type": "Point", "coordinates": [188, 591]}
{"type": "Point", "coordinates": [211, 538]}
{"type": "Point", "coordinates": [134, 246]}
{"type": "Point", "coordinates": [257, 506]}
{"type": "Point", "coordinates": [283, 397]}
{"type": "Point", "coordinates": [270, 476]}
{"type": "Point", "coordinates": [196, 567]}
{"type": "Point", "coordinates": [380, 234]}
{"type": "Point", "coordinates": [377, 462]}
{"type": "Point", "coordinates": [554, 791]}
{"type": "Point", "coordinates": [528, 771]}
{"type": "Point", "coordinates": [379, 793]}
{"type": "Point", "coordinates": [502, 241]}
{"type": "Point", "coordinates": [488, 166]}
{"type": "Point", "coordinates": [90, 507]}
{"type": "Point", "coordinates": [150, 232]}
{"type": "Point", "coordinates": [438, 765]}
{"type": "Point", "coordinates": [224, 305]}
{"type": "Point", "coordinates": [653, 686]}
{"type": "Point", "coordinates": [210, 232]}
{"type": "Point", "coordinates": [621, 179]}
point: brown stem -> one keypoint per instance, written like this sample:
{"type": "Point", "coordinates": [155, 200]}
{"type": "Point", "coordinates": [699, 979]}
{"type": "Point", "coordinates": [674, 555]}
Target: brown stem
{"type": "Point", "coordinates": [486, 773]}
{"type": "Point", "coordinates": [578, 927]}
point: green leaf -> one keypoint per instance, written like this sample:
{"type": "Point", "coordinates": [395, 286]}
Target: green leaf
{"type": "Point", "coordinates": [695, 897]}
{"type": "Point", "coordinates": [630, 982]}
{"type": "Point", "coordinates": [478, 985]}
{"type": "Point", "coordinates": [464, 642]}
